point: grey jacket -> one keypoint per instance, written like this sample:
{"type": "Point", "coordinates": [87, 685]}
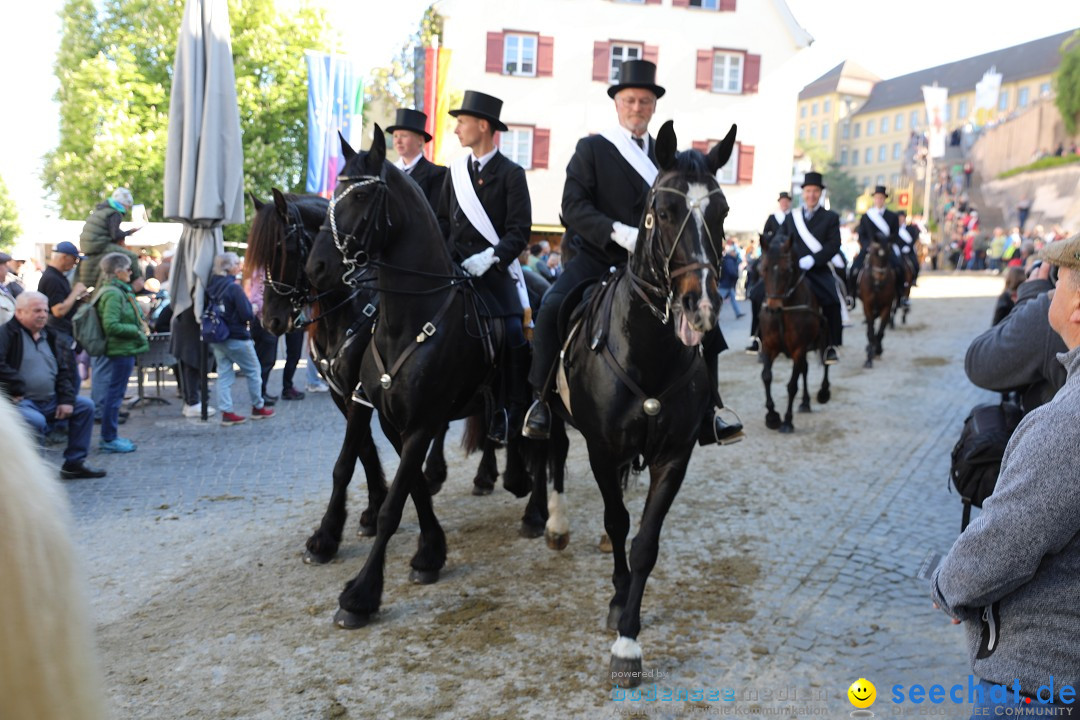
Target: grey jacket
{"type": "Point", "coordinates": [1013, 576]}
{"type": "Point", "coordinates": [1020, 352]}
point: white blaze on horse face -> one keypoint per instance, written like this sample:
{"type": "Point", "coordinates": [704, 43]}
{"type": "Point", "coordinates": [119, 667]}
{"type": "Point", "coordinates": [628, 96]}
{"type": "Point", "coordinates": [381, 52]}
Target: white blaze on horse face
{"type": "Point", "coordinates": [626, 649]}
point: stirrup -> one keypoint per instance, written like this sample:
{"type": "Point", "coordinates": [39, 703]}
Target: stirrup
{"type": "Point", "coordinates": [537, 424]}
{"type": "Point", "coordinates": [717, 430]}
{"type": "Point", "coordinates": [754, 347]}
{"type": "Point", "coordinates": [498, 430]}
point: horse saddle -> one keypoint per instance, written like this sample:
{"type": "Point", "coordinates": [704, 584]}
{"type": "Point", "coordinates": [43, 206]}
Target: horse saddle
{"type": "Point", "coordinates": [587, 306]}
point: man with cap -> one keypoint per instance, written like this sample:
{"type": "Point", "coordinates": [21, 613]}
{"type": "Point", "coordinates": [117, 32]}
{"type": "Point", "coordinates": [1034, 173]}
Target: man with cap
{"type": "Point", "coordinates": [485, 214]}
{"type": "Point", "coordinates": [9, 284]}
{"type": "Point", "coordinates": [7, 297]}
{"type": "Point", "coordinates": [753, 278]}
{"type": "Point", "coordinates": [607, 185]}
{"type": "Point", "coordinates": [63, 296]}
{"type": "Point", "coordinates": [1012, 577]}
{"type": "Point", "coordinates": [878, 222]}
{"type": "Point", "coordinates": [409, 137]}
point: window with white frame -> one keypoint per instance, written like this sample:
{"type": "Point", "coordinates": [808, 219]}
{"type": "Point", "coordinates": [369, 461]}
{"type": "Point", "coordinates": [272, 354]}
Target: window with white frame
{"type": "Point", "coordinates": [825, 130]}
{"type": "Point", "coordinates": [948, 112]}
{"type": "Point", "coordinates": [898, 122]}
{"type": "Point", "coordinates": [843, 156]}
{"type": "Point", "coordinates": [516, 144]}
{"type": "Point", "coordinates": [519, 54]}
{"type": "Point", "coordinates": [620, 53]}
{"type": "Point", "coordinates": [914, 120]}
{"type": "Point", "coordinates": [1003, 101]}
{"type": "Point", "coordinates": [1022, 98]}
{"type": "Point", "coordinates": [802, 111]}
{"type": "Point", "coordinates": [871, 126]}
{"type": "Point", "coordinates": [729, 174]}
{"type": "Point", "coordinates": [826, 107]}
{"type": "Point", "coordinates": [868, 157]}
{"type": "Point", "coordinates": [857, 126]}
{"type": "Point", "coordinates": [884, 124]}
{"type": "Point", "coordinates": [1044, 89]}
{"type": "Point", "coordinates": [896, 151]}
{"type": "Point", "coordinates": [802, 132]}
{"type": "Point", "coordinates": [879, 180]}
{"type": "Point", "coordinates": [727, 72]}
{"type": "Point", "coordinates": [706, 4]}
{"type": "Point", "coordinates": [813, 109]}
{"type": "Point", "coordinates": [813, 131]}
{"type": "Point", "coordinates": [845, 130]}
{"type": "Point", "coordinates": [855, 157]}
{"type": "Point", "coordinates": [881, 153]}
{"type": "Point", "coordinates": [961, 109]}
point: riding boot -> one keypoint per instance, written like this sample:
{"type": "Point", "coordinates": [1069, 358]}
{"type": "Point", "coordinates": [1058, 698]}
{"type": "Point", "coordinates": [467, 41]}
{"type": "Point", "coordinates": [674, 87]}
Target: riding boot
{"type": "Point", "coordinates": [499, 427]}
{"type": "Point", "coordinates": [537, 425]}
{"type": "Point", "coordinates": [713, 428]}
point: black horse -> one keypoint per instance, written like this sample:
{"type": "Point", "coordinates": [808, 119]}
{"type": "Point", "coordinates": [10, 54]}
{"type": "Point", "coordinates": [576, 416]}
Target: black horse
{"type": "Point", "coordinates": [430, 357]}
{"type": "Point", "coordinates": [791, 323]}
{"type": "Point", "coordinates": [633, 379]}
{"type": "Point", "coordinates": [877, 290]}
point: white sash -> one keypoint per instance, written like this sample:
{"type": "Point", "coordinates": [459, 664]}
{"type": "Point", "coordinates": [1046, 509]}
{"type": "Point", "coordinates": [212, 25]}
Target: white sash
{"type": "Point", "coordinates": [905, 235]}
{"type": "Point", "coordinates": [637, 157]}
{"type": "Point", "coordinates": [811, 242]}
{"type": "Point", "coordinates": [779, 217]}
{"type": "Point", "coordinates": [474, 211]}
{"type": "Point", "coordinates": [879, 220]}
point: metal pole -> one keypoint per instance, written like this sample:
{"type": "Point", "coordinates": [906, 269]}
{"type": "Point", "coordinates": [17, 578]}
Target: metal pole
{"type": "Point", "coordinates": [927, 183]}
{"type": "Point", "coordinates": [204, 390]}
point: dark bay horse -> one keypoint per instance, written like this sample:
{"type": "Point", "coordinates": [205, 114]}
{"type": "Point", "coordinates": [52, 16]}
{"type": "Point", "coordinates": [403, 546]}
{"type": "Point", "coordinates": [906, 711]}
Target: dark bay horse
{"type": "Point", "coordinates": [791, 323]}
{"type": "Point", "coordinates": [429, 361]}
{"type": "Point", "coordinates": [633, 379]}
{"type": "Point", "coordinates": [877, 290]}
{"type": "Point", "coordinates": [338, 320]}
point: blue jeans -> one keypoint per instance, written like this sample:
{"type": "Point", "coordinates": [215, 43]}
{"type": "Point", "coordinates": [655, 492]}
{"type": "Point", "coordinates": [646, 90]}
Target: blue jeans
{"type": "Point", "coordinates": [241, 352]}
{"type": "Point", "coordinates": [99, 382]}
{"type": "Point", "coordinates": [729, 294]}
{"type": "Point", "coordinates": [41, 415]}
{"type": "Point", "coordinates": [986, 706]}
{"type": "Point", "coordinates": [118, 370]}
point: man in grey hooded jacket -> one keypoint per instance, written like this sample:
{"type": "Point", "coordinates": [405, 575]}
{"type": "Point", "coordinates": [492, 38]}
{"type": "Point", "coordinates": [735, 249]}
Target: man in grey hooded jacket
{"type": "Point", "coordinates": [1013, 577]}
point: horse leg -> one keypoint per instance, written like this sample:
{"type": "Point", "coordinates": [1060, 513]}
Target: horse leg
{"type": "Point", "coordinates": [797, 359]}
{"type": "Point", "coordinates": [666, 478]}
{"type": "Point", "coordinates": [435, 467]}
{"type": "Point", "coordinates": [616, 525]}
{"type": "Point", "coordinates": [878, 349]}
{"type": "Point", "coordinates": [430, 554]}
{"type": "Point", "coordinates": [363, 594]}
{"type": "Point", "coordinates": [536, 510]}
{"type": "Point", "coordinates": [870, 319]}
{"type": "Point", "coordinates": [824, 394]}
{"type": "Point", "coordinates": [487, 472]}
{"type": "Point", "coordinates": [516, 478]}
{"type": "Point", "coordinates": [804, 406]}
{"type": "Point", "coordinates": [772, 418]}
{"type": "Point", "coordinates": [557, 530]}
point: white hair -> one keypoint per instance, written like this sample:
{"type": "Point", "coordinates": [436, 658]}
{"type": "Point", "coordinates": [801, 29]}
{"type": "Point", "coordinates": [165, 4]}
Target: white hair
{"type": "Point", "coordinates": [28, 296]}
{"type": "Point", "coordinates": [225, 263]}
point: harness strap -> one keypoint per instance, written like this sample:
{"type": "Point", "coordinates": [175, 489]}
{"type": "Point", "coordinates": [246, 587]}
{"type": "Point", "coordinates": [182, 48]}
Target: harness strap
{"type": "Point", "coordinates": [429, 329]}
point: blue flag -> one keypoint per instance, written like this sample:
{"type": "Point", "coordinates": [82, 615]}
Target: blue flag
{"type": "Point", "coordinates": [335, 104]}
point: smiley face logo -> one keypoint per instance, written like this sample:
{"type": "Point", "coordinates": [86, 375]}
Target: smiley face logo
{"type": "Point", "coordinates": [862, 693]}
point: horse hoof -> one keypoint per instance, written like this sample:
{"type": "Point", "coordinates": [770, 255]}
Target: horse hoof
{"type": "Point", "coordinates": [556, 541]}
{"type": "Point", "coordinates": [879, 352]}
{"type": "Point", "coordinates": [625, 672]}
{"type": "Point", "coordinates": [868, 364]}
{"type": "Point", "coordinates": [481, 490]}
{"type": "Point", "coordinates": [530, 532]}
{"type": "Point", "coordinates": [367, 531]}
{"type": "Point", "coordinates": [348, 620]}
{"type": "Point", "coordinates": [804, 408]}
{"type": "Point", "coordinates": [772, 421]}
{"type": "Point", "coordinates": [311, 558]}
{"type": "Point", "coordinates": [423, 577]}
{"type": "Point", "coordinates": [787, 428]}
{"type": "Point", "coordinates": [605, 544]}
{"type": "Point", "coordinates": [823, 396]}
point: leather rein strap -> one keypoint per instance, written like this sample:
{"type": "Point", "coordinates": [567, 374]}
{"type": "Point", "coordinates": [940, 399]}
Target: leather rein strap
{"type": "Point", "coordinates": [428, 330]}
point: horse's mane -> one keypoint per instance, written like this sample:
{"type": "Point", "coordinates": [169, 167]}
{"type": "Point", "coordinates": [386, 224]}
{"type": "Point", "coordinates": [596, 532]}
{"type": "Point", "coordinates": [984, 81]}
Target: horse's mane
{"type": "Point", "coordinates": [268, 229]}
{"type": "Point", "coordinates": [689, 162]}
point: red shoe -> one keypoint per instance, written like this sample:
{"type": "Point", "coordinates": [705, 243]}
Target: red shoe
{"type": "Point", "coordinates": [261, 413]}
{"type": "Point", "coordinates": [228, 418]}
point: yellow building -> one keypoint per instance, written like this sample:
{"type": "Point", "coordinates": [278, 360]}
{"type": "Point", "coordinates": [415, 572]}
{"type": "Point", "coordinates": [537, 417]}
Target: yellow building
{"type": "Point", "coordinates": [871, 136]}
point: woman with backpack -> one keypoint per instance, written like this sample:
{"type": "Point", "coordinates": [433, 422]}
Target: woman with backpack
{"type": "Point", "coordinates": [125, 337]}
{"type": "Point", "coordinates": [226, 297]}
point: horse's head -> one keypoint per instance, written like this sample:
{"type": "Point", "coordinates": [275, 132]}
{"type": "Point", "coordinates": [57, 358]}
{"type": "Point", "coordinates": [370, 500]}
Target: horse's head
{"type": "Point", "coordinates": [778, 269]}
{"type": "Point", "coordinates": [278, 245]}
{"type": "Point", "coordinates": [682, 234]}
{"type": "Point", "coordinates": [358, 218]}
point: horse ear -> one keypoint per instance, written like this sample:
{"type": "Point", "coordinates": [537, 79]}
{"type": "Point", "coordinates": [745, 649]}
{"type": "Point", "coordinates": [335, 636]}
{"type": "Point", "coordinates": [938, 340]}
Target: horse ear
{"type": "Point", "coordinates": [721, 152]}
{"type": "Point", "coordinates": [259, 204]}
{"type": "Point", "coordinates": [280, 204]}
{"type": "Point", "coordinates": [666, 145]}
{"type": "Point", "coordinates": [346, 149]}
{"type": "Point", "coordinates": [377, 152]}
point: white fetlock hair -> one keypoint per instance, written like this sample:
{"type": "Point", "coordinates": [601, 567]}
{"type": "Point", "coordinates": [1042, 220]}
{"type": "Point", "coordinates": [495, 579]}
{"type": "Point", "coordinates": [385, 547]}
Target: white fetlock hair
{"type": "Point", "coordinates": [49, 669]}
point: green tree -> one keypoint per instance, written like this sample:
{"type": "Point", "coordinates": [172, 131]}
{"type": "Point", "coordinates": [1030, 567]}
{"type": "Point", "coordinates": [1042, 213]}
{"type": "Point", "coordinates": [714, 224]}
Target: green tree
{"type": "Point", "coordinates": [10, 229]}
{"type": "Point", "coordinates": [843, 189]}
{"type": "Point", "coordinates": [1067, 82]}
{"type": "Point", "coordinates": [819, 156]}
{"type": "Point", "coordinates": [395, 83]}
{"type": "Point", "coordinates": [115, 72]}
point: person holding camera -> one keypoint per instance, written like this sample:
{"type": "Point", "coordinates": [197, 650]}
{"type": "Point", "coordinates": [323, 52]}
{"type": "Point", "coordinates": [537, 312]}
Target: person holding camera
{"type": "Point", "coordinates": [63, 296]}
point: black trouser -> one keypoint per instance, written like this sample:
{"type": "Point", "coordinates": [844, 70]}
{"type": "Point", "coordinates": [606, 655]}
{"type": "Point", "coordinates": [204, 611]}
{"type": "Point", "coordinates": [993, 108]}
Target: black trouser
{"type": "Point", "coordinates": [189, 382]}
{"type": "Point", "coordinates": [294, 346]}
{"type": "Point", "coordinates": [756, 293]}
{"type": "Point", "coordinates": [265, 349]}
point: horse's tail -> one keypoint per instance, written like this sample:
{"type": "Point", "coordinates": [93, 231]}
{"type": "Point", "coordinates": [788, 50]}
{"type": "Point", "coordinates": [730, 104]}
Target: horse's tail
{"type": "Point", "coordinates": [474, 434]}
{"type": "Point", "coordinates": [48, 666]}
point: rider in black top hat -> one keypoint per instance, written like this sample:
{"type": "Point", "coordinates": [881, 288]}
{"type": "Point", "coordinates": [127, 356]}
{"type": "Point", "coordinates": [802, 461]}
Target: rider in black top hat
{"type": "Point", "coordinates": [878, 222]}
{"type": "Point", "coordinates": [772, 224]}
{"type": "Point", "coordinates": [410, 136]}
{"type": "Point", "coordinates": [603, 200]}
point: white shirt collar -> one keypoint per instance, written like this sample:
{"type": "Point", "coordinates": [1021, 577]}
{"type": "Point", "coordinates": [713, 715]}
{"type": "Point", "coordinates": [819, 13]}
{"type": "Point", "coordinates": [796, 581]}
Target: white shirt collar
{"type": "Point", "coordinates": [485, 159]}
{"type": "Point", "coordinates": [406, 168]}
{"type": "Point", "coordinates": [874, 209]}
{"type": "Point", "coordinates": [807, 210]}
{"type": "Point", "coordinates": [631, 135]}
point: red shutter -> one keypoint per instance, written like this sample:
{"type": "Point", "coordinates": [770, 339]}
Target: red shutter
{"type": "Point", "coordinates": [751, 73]}
{"type": "Point", "coordinates": [680, 3]}
{"type": "Point", "coordinates": [652, 2]}
{"type": "Point", "coordinates": [601, 61]}
{"type": "Point", "coordinates": [494, 52]}
{"type": "Point", "coordinates": [727, 5]}
{"type": "Point", "coordinates": [746, 164]}
{"type": "Point", "coordinates": [702, 145]}
{"type": "Point", "coordinates": [704, 69]}
{"type": "Point", "coordinates": [541, 145]}
{"type": "Point", "coordinates": [651, 53]}
{"type": "Point", "coordinates": [545, 56]}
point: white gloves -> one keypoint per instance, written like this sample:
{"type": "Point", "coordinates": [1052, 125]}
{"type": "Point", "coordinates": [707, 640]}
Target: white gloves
{"type": "Point", "coordinates": [906, 249]}
{"type": "Point", "coordinates": [806, 262]}
{"type": "Point", "coordinates": [624, 235]}
{"type": "Point", "coordinates": [478, 264]}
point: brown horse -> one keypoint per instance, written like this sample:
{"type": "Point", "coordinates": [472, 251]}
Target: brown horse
{"type": "Point", "coordinates": [791, 323]}
{"type": "Point", "coordinates": [877, 289]}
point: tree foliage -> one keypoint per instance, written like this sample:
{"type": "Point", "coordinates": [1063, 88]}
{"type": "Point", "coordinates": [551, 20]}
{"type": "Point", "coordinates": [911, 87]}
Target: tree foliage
{"type": "Point", "coordinates": [843, 189]}
{"type": "Point", "coordinates": [10, 229]}
{"type": "Point", "coordinates": [115, 71]}
{"type": "Point", "coordinates": [819, 155]}
{"type": "Point", "coordinates": [395, 83]}
{"type": "Point", "coordinates": [1067, 82]}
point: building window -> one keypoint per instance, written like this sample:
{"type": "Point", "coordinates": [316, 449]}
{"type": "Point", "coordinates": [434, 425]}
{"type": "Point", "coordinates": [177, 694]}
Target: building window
{"type": "Point", "coordinates": [857, 126]}
{"type": "Point", "coordinates": [948, 112]}
{"type": "Point", "coordinates": [866, 181]}
{"type": "Point", "coordinates": [881, 153]}
{"type": "Point", "coordinates": [898, 121]}
{"type": "Point", "coordinates": [914, 119]}
{"type": "Point", "coordinates": [519, 55]}
{"type": "Point", "coordinates": [896, 151]}
{"type": "Point", "coordinates": [825, 130]}
{"type": "Point", "coordinates": [1003, 101]}
{"type": "Point", "coordinates": [813, 109]}
{"type": "Point", "coordinates": [813, 131]}
{"type": "Point", "coordinates": [620, 53]}
{"type": "Point", "coordinates": [855, 157]}
{"type": "Point", "coordinates": [1044, 89]}
{"type": "Point", "coordinates": [868, 156]}
{"type": "Point", "coordinates": [879, 180]}
{"type": "Point", "coordinates": [845, 130]}
{"type": "Point", "coordinates": [843, 156]}
{"type": "Point", "coordinates": [894, 179]}
{"type": "Point", "coordinates": [1022, 98]}
{"type": "Point", "coordinates": [707, 5]}
{"type": "Point", "coordinates": [961, 109]}
{"type": "Point", "coordinates": [802, 132]}
{"type": "Point", "coordinates": [826, 107]}
{"type": "Point", "coordinates": [727, 72]}
{"type": "Point", "coordinates": [884, 124]}
{"type": "Point", "coordinates": [870, 127]}
{"type": "Point", "coordinates": [517, 145]}
{"type": "Point", "coordinates": [802, 111]}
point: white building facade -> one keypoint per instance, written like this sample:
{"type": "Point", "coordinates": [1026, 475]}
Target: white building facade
{"type": "Point", "coordinates": [551, 62]}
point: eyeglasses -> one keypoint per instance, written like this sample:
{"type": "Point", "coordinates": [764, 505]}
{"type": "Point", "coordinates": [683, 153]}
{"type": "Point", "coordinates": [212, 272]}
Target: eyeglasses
{"type": "Point", "coordinates": [638, 102]}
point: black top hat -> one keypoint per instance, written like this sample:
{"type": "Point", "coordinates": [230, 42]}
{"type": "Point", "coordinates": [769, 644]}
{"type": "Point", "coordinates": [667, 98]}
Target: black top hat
{"type": "Point", "coordinates": [485, 107]}
{"type": "Point", "coordinates": [411, 120]}
{"type": "Point", "coordinates": [783, 196]}
{"type": "Point", "coordinates": [637, 74]}
{"type": "Point", "coordinates": [880, 189]}
{"type": "Point", "coordinates": [813, 178]}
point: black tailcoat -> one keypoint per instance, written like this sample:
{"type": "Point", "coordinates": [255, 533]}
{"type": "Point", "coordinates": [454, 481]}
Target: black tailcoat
{"type": "Point", "coordinates": [429, 177]}
{"type": "Point", "coordinates": [825, 226]}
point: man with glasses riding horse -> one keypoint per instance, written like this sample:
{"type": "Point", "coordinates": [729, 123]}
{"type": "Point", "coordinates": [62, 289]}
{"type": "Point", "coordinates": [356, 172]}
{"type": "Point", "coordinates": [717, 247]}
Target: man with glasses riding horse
{"type": "Point", "coordinates": [486, 215]}
{"type": "Point", "coordinates": [879, 221]}
{"type": "Point", "coordinates": [607, 184]}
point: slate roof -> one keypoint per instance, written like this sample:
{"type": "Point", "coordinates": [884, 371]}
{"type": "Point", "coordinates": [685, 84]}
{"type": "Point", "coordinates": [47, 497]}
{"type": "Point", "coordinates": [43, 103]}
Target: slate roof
{"type": "Point", "coordinates": [830, 81]}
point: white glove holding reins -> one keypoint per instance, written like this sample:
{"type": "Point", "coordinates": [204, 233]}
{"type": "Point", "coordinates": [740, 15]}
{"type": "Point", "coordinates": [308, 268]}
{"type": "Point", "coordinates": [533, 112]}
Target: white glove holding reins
{"type": "Point", "coordinates": [625, 235]}
{"type": "Point", "coordinates": [806, 262]}
{"type": "Point", "coordinates": [478, 264]}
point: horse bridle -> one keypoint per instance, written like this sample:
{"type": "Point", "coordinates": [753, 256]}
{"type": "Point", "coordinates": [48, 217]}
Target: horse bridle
{"type": "Point", "coordinates": [354, 264]}
{"type": "Point", "coordinates": [663, 290]}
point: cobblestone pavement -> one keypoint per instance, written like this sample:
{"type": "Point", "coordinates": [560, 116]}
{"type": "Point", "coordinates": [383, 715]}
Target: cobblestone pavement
{"type": "Point", "coordinates": [787, 563]}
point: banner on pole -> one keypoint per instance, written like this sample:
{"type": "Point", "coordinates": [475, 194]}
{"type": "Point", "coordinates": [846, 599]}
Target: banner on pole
{"type": "Point", "coordinates": [335, 104]}
{"type": "Point", "coordinates": [936, 98]}
{"type": "Point", "coordinates": [986, 96]}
